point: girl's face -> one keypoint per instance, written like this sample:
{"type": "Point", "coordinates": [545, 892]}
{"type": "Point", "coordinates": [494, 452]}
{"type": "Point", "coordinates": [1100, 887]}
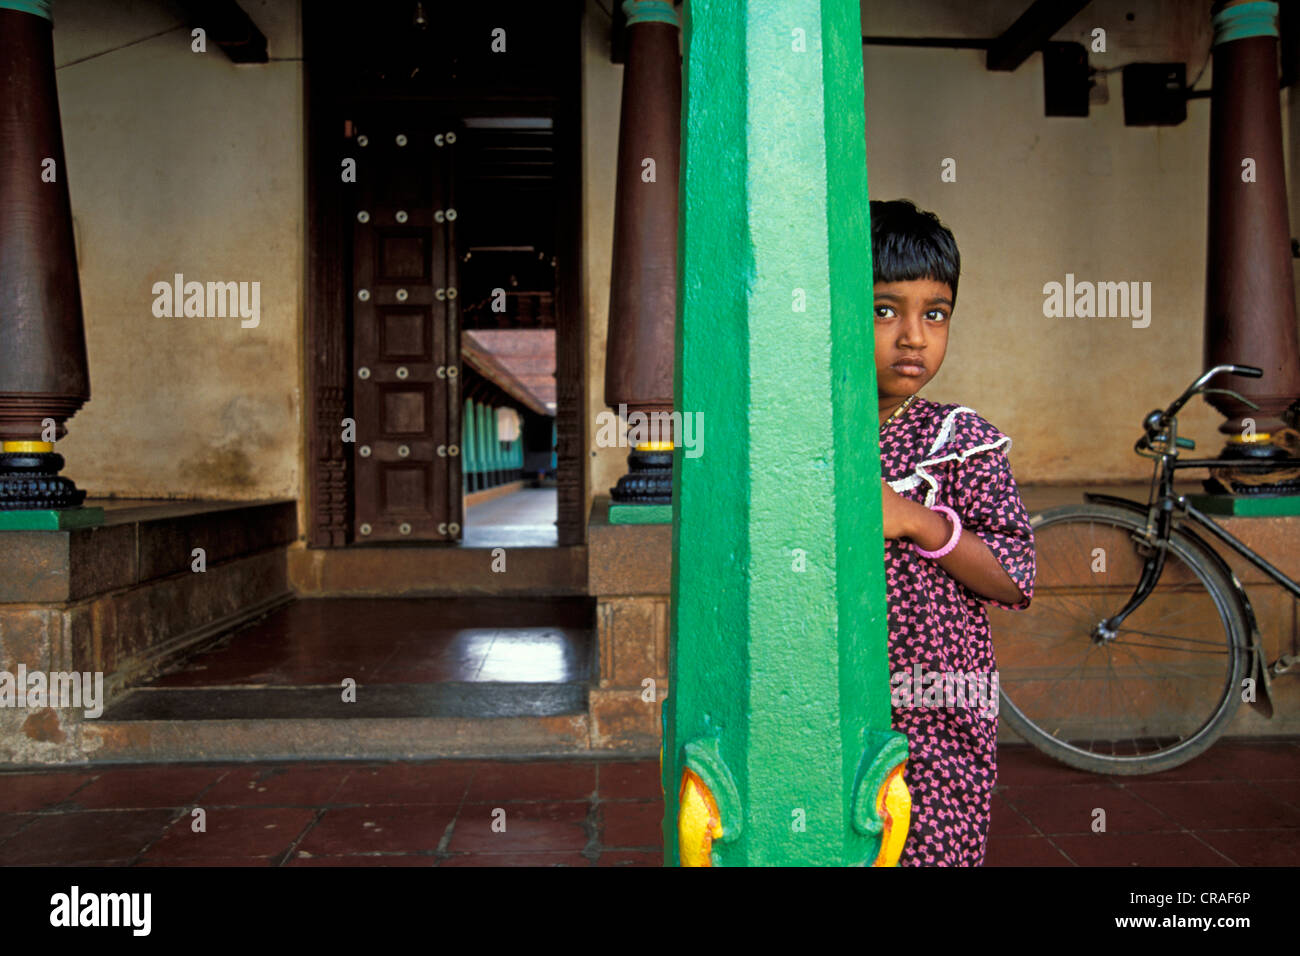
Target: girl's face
{"type": "Point", "coordinates": [911, 321]}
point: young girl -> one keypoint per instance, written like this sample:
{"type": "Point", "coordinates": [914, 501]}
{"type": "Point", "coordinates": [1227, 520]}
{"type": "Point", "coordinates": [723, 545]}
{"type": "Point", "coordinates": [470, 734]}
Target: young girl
{"type": "Point", "coordinates": [957, 537]}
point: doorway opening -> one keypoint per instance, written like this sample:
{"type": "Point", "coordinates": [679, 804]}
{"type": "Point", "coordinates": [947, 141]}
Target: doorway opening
{"type": "Point", "coordinates": [444, 309]}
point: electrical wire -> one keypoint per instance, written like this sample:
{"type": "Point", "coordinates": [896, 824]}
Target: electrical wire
{"type": "Point", "coordinates": [1208, 53]}
{"type": "Point", "coordinates": [121, 47]}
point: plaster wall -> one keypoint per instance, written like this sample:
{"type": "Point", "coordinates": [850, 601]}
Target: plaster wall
{"type": "Point", "coordinates": [183, 162]}
{"type": "Point", "coordinates": [602, 90]}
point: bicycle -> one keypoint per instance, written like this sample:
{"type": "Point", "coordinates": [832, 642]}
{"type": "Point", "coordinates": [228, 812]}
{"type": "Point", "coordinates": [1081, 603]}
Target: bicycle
{"type": "Point", "coordinates": [1134, 653]}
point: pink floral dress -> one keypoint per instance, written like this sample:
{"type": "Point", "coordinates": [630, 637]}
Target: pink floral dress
{"type": "Point", "coordinates": [943, 672]}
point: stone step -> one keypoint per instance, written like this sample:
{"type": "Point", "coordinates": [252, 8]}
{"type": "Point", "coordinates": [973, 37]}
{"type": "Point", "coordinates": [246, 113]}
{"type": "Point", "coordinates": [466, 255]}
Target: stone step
{"type": "Point", "coordinates": [147, 741]}
{"type": "Point", "coordinates": [461, 699]}
{"type": "Point", "coordinates": [396, 720]}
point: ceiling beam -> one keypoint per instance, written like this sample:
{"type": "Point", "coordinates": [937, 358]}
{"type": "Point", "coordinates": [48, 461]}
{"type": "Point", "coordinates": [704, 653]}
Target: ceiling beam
{"type": "Point", "coordinates": [230, 28]}
{"type": "Point", "coordinates": [488, 366]}
{"type": "Point", "coordinates": [1031, 31]}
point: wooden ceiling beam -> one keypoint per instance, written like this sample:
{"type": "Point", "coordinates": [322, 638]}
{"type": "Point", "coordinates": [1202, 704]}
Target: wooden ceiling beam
{"type": "Point", "coordinates": [229, 27]}
{"type": "Point", "coordinates": [1031, 31]}
{"type": "Point", "coordinates": [486, 364]}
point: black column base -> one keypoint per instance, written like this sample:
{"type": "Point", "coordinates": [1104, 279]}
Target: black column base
{"type": "Point", "coordinates": [30, 481]}
{"type": "Point", "coordinates": [1254, 480]}
{"type": "Point", "coordinates": [649, 479]}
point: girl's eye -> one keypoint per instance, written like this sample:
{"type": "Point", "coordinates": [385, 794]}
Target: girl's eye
{"type": "Point", "coordinates": [936, 315]}
{"type": "Point", "coordinates": [881, 310]}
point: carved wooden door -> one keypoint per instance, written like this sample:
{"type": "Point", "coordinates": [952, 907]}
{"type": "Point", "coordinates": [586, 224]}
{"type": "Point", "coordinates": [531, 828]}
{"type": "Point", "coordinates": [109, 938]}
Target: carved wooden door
{"type": "Point", "coordinates": [405, 333]}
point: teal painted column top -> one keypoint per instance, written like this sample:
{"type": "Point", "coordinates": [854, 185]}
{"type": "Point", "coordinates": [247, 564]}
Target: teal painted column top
{"type": "Point", "coordinates": [1246, 20]}
{"type": "Point", "coordinates": [779, 695]}
{"type": "Point", "coordinates": [649, 11]}
{"type": "Point", "coordinates": [41, 8]}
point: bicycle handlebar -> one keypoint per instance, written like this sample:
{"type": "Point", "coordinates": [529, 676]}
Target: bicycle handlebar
{"type": "Point", "coordinates": [1249, 371]}
{"type": "Point", "coordinates": [1157, 421]}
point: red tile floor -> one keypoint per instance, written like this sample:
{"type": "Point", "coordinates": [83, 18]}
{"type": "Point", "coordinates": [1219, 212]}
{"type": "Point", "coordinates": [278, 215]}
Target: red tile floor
{"type": "Point", "coordinates": [1238, 805]}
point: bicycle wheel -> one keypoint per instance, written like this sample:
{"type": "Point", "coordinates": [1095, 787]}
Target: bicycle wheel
{"type": "Point", "coordinates": [1153, 695]}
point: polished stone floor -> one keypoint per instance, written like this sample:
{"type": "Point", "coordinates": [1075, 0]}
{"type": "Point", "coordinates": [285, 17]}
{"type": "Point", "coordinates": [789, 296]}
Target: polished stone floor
{"type": "Point", "coordinates": [522, 519]}
{"type": "Point", "coordinates": [1238, 805]}
{"type": "Point", "coordinates": [417, 657]}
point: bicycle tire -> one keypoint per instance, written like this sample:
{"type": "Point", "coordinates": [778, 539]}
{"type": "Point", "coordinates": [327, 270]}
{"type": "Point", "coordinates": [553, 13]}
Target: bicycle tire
{"type": "Point", "coordinates": [1061, 584]}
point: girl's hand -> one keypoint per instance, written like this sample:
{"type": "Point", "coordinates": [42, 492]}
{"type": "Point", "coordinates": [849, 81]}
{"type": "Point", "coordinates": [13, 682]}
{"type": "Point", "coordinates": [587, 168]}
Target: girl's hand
{"type": "Point", "coordinates": [971, 562]}
{"type": "Point", "coordinates": [896, 510]}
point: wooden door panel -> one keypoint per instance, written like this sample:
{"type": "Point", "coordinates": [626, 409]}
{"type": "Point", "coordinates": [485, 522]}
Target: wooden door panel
{"type": "Point", "coordinates": [406, 333]}
{"type": "Point", "coordinates": [405, 340]}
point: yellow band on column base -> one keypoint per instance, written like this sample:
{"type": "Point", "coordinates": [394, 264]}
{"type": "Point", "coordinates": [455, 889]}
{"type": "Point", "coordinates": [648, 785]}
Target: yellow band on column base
{"type": "Point", "coordinates": [29, 447]}
{"type": "Point", "coordinates": [655, 446]}
{"type": "Point", "coordinates": [1255, 439]}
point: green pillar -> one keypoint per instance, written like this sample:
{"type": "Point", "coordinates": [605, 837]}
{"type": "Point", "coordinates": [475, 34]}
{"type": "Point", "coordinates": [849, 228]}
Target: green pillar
{"type": "Point", "coordinates": [777, 722]}
{"type": "Point", "coordinates": [478, 446]}
{"type": "Point", "coordinates": [484, 449]}
{"type": "Point", "coordinates": [494, 444]}
{"type": "Point", "coordinates": [469, 446]}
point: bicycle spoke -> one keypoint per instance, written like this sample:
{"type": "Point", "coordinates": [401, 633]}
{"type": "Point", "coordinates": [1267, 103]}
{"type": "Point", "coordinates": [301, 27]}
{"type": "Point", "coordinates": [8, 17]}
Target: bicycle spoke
{"type": "Point", "coordinates": [1171, 637]}
{"type": "Point", "coordinates": [1087, 650]}
{"type": "Point", "coordinates": [1177, 691]}
{"type": "Point", "coordinates": [1162, 647]}
{"type": "Point", "coordinates": [1079, 689]}
{"type": "Point", "coordinates": [1110, 667]}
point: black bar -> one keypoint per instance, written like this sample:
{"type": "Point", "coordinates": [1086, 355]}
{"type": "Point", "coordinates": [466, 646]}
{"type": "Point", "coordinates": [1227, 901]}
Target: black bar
{"type": "Point", "coordinates": [223, 907]}
{"type": "Point", "coordinates": [1211, 526]}
{"type": "Point", "coordinates": [951, 43]}
{"type": "Point", "coordinates": [1235, 463]}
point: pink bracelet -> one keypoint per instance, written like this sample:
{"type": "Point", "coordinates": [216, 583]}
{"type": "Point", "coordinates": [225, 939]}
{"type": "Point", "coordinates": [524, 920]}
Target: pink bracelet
{"type": "Point", "coordinates": [952, 542]}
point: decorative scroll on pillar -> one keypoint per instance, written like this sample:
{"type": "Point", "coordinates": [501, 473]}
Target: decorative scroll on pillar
{"type": "Point", "coordinates": [643, 284]}
{"type": "Point", "coordinates": [43, 370]}
{"type": "Point", "coordinates": [1250, 316]}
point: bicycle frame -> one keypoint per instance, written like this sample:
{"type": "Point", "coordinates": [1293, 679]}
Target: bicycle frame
{"type": "Point", "coordinates": [1162, 521]}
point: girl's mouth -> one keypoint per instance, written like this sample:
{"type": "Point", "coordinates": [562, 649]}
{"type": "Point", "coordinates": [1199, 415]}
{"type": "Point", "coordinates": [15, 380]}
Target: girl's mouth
{"type": "Point", "coordinates": [909, 368]}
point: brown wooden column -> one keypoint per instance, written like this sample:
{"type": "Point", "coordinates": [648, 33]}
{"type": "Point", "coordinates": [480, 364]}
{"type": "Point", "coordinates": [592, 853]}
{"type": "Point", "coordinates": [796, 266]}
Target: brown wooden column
{"type": "Point", "coordinates": [43, 371]}
{"type": "Point", "coordinates": [643, 281]}
{"type": "Point", "coordinates": [1250, 314]}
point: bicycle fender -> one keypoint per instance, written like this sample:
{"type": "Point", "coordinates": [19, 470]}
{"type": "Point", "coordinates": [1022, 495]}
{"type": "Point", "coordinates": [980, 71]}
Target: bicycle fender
{"type": "Point", "coordinates": [1263, 702]}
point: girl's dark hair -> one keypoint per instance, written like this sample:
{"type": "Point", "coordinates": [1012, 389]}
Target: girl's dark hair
{"type": "Point", "coordinates": [909, 243]}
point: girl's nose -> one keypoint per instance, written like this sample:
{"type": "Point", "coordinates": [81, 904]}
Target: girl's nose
{"type": "Point", "coordinates": [912, 332]}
